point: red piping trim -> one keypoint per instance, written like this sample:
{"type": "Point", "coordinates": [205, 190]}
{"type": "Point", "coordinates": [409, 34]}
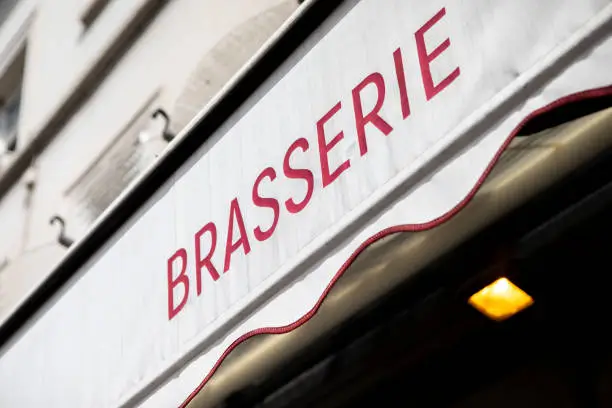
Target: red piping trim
{"type": "Point", "coordinates": [593, 93]}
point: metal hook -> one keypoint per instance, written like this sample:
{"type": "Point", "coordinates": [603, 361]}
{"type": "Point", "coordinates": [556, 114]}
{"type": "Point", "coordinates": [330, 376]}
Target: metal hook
{"type": "Point", "coordinates": [62, 238]}
{"type": "Point", "coordinates": [166, 134]}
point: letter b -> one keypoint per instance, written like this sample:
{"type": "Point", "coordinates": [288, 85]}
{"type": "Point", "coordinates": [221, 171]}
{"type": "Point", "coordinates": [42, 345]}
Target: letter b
{"type": "Point", "coordinates": [173, 282]}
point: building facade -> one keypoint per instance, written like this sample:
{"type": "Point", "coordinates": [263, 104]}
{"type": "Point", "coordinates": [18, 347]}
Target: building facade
{"type": "Point", "coordinates": [79, 82]}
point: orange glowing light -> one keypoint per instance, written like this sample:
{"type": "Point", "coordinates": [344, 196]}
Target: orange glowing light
{"type": "Point", "coordinates": [501, 299]}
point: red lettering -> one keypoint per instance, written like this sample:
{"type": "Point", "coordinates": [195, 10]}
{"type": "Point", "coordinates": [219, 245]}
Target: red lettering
{"type": "Point", "coordinates": [243, 240]}
{"type": "Point", "coordinates": [325, 147]}
{"type": "Point", "coordinates": [205, 262]}
{"type": "Point", "coordinates": [303, 174]}
{"type": "Point", "coordinates": [426, 59]}
{"type": "Point", "coordinates": [372, 117]}
{"type": "Point", "coordinates": [181, 255]}
{"type": "Point", "coordinates": [401, 82]}
{"type": "Point", "coordinates": [271, 203]}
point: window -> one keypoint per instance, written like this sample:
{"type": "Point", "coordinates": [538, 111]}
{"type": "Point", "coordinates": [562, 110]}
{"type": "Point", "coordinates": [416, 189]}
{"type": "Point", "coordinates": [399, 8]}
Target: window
{"type": "Point", "coordinates": [220, 63]}
{"type": "Point", "coordinates": [114, 169]}
{"type": "Point", "coordinates": [10, 101]}
{"type": "Point", "coordinates": [9, 118]}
